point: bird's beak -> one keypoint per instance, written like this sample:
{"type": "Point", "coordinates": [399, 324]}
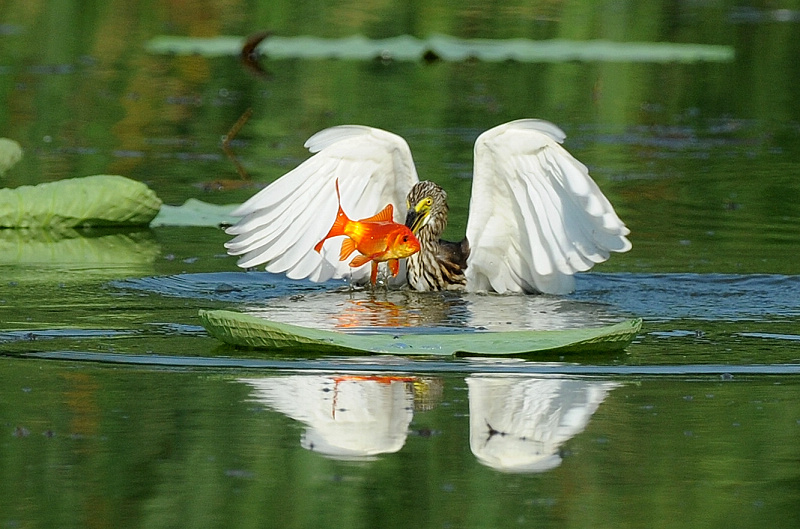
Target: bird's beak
{"type": "Point", "coordinates": [415, 218]}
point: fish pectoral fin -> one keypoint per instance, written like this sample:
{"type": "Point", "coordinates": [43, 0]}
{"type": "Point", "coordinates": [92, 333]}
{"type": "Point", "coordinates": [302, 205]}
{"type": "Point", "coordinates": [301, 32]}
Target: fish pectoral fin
{"type": "Point", "coordinates": [359, 260]}
{"type": "Point", "coordinates": [394, 267]}
{"type": "Point", "coordinates": [386, 214]}
{"type": "Point", "coordinates": [348, 247]}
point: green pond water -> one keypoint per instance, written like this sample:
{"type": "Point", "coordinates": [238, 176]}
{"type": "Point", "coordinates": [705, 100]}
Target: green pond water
{"type": "Point", "coordinates": [118, 410]}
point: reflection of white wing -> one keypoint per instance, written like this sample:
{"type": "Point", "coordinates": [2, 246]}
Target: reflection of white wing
{"type": "Point", "coordinates": [518, 424]}
{"type": "Point", "coordinates": [347, 417]}
{"type": "Point", "coordinates": [536, 217]}
{"type": "Point", "coordinates": [282, 223]}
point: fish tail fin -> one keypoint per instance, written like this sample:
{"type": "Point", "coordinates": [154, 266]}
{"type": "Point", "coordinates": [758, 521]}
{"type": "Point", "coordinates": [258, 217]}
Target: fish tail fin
{"type": "Point", "coordinates": [339, 224]}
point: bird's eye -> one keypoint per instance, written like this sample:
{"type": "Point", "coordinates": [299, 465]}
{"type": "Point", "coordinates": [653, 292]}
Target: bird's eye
{"type": "Point", "coordinates": [428, 201]}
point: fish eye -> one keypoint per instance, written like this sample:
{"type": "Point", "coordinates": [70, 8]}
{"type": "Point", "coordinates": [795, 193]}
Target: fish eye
{"type": "Point", "coordinates": [405, 238]}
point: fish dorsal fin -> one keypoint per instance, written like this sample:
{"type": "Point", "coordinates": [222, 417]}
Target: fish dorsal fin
{"type": "Point", "coordinates": [386, 214]}
{"type": "Point", "coordinates": [348, 247]}
{"type": "Point", "coordinates": [359, 260]}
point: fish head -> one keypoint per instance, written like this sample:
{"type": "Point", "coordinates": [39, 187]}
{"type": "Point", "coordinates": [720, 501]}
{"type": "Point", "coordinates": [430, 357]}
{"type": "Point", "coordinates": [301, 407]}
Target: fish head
{"type": "Point", "coordinates": [402, 242]}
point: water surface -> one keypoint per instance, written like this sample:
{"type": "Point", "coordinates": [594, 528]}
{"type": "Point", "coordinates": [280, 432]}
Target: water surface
{"type": "Point", "coordinates": [118, 410]}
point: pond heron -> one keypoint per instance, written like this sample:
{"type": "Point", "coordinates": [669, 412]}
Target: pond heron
{"type": "Point", "coordinates": [536, 217]}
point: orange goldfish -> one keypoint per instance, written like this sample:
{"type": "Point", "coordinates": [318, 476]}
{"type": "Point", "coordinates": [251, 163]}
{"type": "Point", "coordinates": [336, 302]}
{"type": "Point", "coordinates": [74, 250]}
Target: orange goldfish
{"type": "Point", "coordinates": [377, 238]}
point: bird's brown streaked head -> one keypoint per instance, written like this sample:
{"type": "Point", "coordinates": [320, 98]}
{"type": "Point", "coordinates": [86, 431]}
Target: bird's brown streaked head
{"type": "Point", "coordinates": [427, 207]}
{"type": "Point", "coordinates": [439, 264]}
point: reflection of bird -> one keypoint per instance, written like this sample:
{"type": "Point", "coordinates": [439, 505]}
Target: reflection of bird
{"type": "Point", "coordinates": [347, 417]}
{"type": "Point", "coordinates": [535, 218]}
{"type": "Point", "coordinates": [518, 424]}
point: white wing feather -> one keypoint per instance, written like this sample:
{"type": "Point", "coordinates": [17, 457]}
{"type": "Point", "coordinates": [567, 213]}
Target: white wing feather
{"type": "Point", "coordinates": [536, 216]}
{"type": "Point", "coordinates": [281, 224]}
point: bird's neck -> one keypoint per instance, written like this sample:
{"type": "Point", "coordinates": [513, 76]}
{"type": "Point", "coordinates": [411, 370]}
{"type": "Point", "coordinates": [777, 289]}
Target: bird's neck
{"type": "Point", "coordinates": [428, 235]}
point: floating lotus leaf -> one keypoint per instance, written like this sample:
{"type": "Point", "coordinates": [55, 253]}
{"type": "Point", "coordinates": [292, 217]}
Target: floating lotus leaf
{"type": "Point", "coordinates": [100, 200]}
{"type": "Point", "coordinates": [240, 329]}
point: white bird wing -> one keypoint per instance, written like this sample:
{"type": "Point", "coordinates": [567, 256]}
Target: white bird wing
{"type": "Point", "coordinates": [536, 216]}
{"type": "Point", "coordinates": [281, 224]}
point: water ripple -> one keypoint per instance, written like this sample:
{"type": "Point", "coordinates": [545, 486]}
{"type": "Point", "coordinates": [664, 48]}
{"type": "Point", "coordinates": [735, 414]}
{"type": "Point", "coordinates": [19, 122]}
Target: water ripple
{"type": "Point", "coordinates": [728, 297]}
{"type": "Point", "coordinates": [388, 364]}
{"type": "Point", "coordinates": [656, 297]}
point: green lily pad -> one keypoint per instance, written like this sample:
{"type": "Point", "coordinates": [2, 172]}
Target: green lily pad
{"type": "Point", "coordinates": [100, 200]}
{"type": "Point", "coordinates": [240, 329]}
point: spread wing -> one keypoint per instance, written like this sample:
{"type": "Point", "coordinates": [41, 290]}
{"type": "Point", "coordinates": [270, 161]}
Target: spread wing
{"type": "Point", "coordinates": [281, 224]}
{"type": "Point", "coordinates": [536, 216]}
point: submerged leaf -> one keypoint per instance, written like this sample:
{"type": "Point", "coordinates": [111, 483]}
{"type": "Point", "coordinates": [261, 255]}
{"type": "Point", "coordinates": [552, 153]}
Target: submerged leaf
{"type": "Point", "coordinates": [240, 329]}
{"type": "Point", "coordinates": [100, 200]}
{"type": "Point", "coordinates": [52, 251]}
{"type": "Point", "coordinates": [10, 154]}
{"type": "Point", "coordinates": [445, 47]}
{"type": "Point", "coordinates": [195, 212]}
